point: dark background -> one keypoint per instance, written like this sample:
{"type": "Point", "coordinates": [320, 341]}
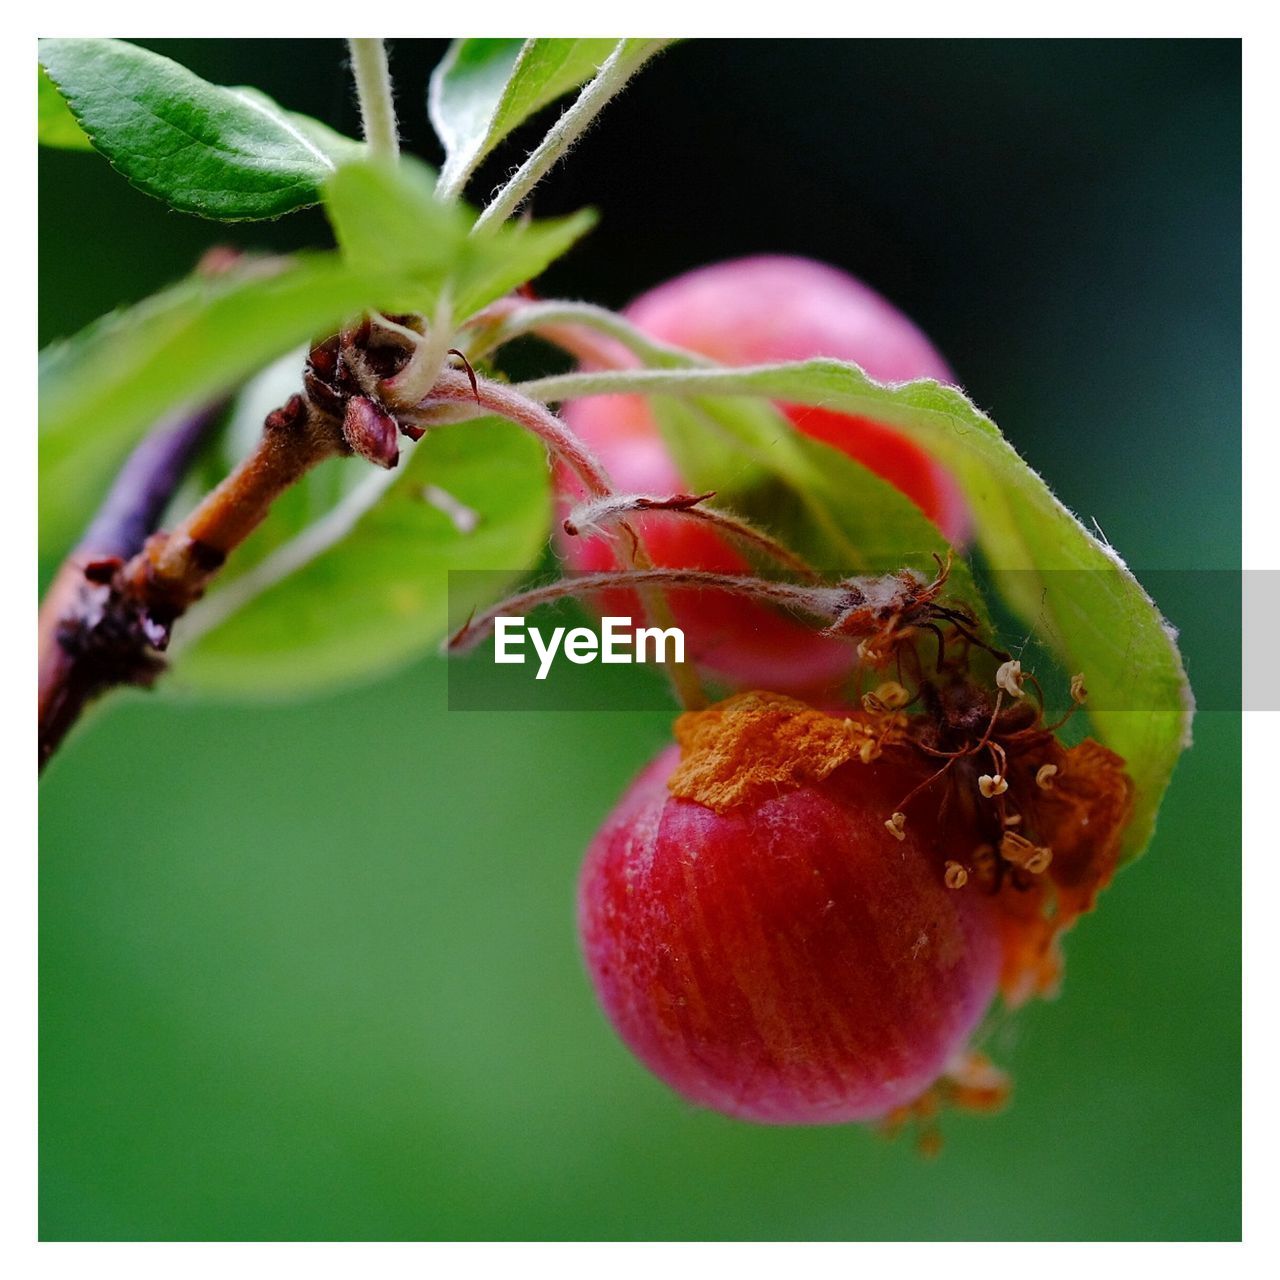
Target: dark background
{"type": "Point", "coordinates": [310, 971]}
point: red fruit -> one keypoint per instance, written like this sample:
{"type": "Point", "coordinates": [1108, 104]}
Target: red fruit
{"type": "Point", "coordinates": [749, 311]}
{"type": "Point", "coordinates": [761, 940]}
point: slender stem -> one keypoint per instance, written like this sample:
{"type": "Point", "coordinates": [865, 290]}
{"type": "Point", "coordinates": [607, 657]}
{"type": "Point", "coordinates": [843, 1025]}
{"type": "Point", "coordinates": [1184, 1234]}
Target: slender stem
{"type": "Point", "coordinates": [417, 378]}
{"type": "Point", "coordinates": [685, 680]}
{"type": "Point", "coordinates": [746, 380]}
{"type": "Point", "coordinates": [821, 603]}
{"type": "Point", "coordinates": [626, 59]}
{"type": "Point", "coordinates": [563, 444]}
{"type": "Point", "coordinates": [377, 105]}
{"type": "Point", "coordinates": [574, 327]}
{"type": "Point", "coordinates": [603, 338]}
{"type": "Point", "coordinates": [615, 509]}
{"type": "Point", "coordinates": [493, 397]}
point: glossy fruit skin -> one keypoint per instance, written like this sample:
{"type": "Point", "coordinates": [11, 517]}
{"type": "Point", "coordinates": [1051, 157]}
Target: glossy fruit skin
{"type": "Point", "coordinates": [748, 311]}
{"type": "Point", "coordinates": [788, 961]}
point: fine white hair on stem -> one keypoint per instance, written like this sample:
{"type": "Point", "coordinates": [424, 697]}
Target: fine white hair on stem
{"type": "Point", "coordinates": [373, 89]}
{"type": "Point", "coordinates": [603, 513]}
{"type": "Point", "coordinates": [742, 380]}
{"type": "Point", "coordinates": [572, 325]}
{"type": "Point", "coordinates": [626, 59]}
{"type": "Point", "coordinates": [453, 387]}
{"type": "Point", "coordinates": [453, 390]}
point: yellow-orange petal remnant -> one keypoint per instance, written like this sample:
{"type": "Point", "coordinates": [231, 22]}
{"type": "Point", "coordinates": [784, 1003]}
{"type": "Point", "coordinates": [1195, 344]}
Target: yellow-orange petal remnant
{"type": "Point", "coordinates": [756, 744]}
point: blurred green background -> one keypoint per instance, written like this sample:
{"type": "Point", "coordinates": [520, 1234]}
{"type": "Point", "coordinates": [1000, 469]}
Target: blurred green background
{"type": "Point", "coordinates": [310, 971]}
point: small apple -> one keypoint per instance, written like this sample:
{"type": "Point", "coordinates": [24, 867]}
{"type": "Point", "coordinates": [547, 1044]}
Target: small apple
{"type": "Point", "coordinates": [751, 311]}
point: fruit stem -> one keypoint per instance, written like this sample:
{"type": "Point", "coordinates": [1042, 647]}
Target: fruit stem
{"type": "Point", "coordinates": [599, 513]}
{"type": "Point", "coordinates": [817, 601]}
{"type": "Point", "coordinates": [455, 388]}
{"type": "Point", "coordinates": [685, 683]}
{"type": "Point", "coordinates": [595, 335]}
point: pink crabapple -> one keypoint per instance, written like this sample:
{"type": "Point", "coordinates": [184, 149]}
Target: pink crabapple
{"type": "Point", "coordinates": [749, 311]}
{"type": "Point", "coordinates": [780, 928]}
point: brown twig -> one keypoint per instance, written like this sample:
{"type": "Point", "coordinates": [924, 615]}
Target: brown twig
{"type": "Point", "coordinates": [173, 569]}
{"type": "Point", "coordinates": [129, 513]}
{"type": "Point", "coordinates": [107, 617]}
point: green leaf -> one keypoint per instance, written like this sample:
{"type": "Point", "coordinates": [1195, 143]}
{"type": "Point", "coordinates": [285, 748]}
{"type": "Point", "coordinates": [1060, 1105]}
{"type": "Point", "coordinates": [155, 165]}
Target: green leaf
{"type": "Point", "coordinates": [1068, 587]}
{"type": "Point", "coordinates": [512, 255]}
{"type": "Point", "coordinates": [380, 597]}
{"type": "Point", "coordinates": [820, 502]}
{"type": "Point", "coordinates": [483, 89]}
{"type": "Point", "coordinates": [335, 146]}
{"type": "Point", "coordinates": [217, 152]}
{"type": "Point", "coordinates": [389, 219]}
{"type": "Point", "coordinates": [55, 125]}
{"type": "Point", "coordinates": [101, 390]}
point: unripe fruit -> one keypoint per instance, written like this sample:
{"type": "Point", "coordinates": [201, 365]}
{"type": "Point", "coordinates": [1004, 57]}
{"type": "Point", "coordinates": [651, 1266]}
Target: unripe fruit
{"type": "Point", "coordinates": [761, 941]}
{"type": "Point", "coordinates": [749, 311]}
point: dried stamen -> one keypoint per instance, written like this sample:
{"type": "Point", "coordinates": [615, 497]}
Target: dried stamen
{"type": "Point", "coordinates": [1023, 853]}
{"type": "Point", "coordinates": [1009, 677]}
{"type": "Point", "coordinates": [889, 696]}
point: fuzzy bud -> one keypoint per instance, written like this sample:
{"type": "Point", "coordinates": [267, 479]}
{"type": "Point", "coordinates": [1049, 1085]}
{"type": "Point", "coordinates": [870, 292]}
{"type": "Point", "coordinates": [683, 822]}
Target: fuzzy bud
{"type": "Point", "coordinates": [371, 432]}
